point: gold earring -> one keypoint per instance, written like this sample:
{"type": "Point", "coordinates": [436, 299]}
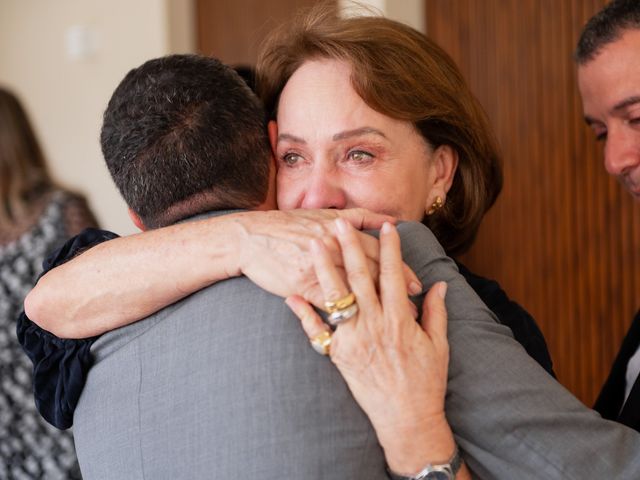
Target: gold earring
{"type": "Point", "coordinates": [436, 205]}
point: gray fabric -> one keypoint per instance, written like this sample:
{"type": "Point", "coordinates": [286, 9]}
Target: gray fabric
{"type": "Point", "coordinates": [220, 385]}
{"type": "Point", "coordinates": [511, 419]}
{"type": "Point", "coordinates": [224, 384]}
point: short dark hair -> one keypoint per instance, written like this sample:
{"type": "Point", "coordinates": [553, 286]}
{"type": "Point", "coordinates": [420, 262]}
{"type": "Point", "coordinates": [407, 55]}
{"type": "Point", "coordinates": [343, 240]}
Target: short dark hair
{"type": "Point", "coordinates": [182, 135]}
{"type": "Point", "coordinates": [607, 26]}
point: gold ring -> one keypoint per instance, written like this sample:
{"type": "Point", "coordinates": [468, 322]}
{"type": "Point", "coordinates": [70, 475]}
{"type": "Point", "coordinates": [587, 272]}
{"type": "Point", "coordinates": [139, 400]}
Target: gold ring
{"type": "Point", "coordinates": [321, 343]}
{"type": "Point", "coordinates": [341, 303]}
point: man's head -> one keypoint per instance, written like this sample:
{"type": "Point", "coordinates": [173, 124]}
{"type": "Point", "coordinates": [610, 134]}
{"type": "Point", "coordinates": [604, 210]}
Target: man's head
{"type": "Point", "coordinates": [183, 135]}
{"type": "Point", "coordinates": [608, 57]}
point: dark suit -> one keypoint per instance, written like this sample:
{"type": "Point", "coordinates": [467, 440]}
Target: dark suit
{"type": "Point", "coordinates": [611, 397]}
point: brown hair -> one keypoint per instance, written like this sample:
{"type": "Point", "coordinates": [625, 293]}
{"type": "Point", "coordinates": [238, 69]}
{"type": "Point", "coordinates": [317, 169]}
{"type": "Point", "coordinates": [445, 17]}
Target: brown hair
{"type": "Point", "coordinates": [23, 171]}
{"type": "Point", "coordinates": [400, 73]}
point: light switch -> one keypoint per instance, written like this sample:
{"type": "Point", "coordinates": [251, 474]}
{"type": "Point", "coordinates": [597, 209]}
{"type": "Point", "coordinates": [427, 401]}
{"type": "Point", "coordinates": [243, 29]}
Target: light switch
{"type": "Point", "coordinates": [80, 43]}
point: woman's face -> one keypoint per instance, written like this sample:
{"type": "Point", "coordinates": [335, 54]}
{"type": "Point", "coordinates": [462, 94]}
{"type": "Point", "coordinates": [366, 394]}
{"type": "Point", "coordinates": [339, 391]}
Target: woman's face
{"type": "Point", "coordinates": [334, 151]}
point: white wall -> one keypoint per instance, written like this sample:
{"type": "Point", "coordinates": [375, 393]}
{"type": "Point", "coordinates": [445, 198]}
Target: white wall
{"type": "Point", "coordinates": [411, 12]}
{"type": "Point", "coordinates": [65, 98]}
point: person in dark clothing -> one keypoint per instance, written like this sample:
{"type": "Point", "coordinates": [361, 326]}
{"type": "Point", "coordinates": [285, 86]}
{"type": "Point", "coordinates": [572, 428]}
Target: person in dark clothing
{"type": "Point", "coordinates": [608, 58]}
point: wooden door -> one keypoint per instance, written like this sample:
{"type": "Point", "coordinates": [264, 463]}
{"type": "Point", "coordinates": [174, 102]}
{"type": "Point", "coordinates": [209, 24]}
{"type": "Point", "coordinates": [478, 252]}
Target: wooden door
{"type": "Point", "coordinates": [233, 30]}
{"type": "Point", "coordinates": [564, 238]}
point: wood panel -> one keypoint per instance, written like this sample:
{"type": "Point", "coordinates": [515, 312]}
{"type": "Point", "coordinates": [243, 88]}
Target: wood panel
{"type": "Point", "coordinates": [564, 238]}
{"type": "Point", "coordinates": [233, 30]}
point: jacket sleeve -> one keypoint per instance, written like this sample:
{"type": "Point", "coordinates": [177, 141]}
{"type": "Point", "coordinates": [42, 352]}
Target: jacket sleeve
{"type": "Point", "coordinates": [509, 416]}
{"type": "Point", "coordinates": [523, 326]}
{"type": "Point", "coordinates": [60, 366]}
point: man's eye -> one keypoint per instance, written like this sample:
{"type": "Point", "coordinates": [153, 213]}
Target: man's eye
{"type": "Point", "coordinates": [600, 132]}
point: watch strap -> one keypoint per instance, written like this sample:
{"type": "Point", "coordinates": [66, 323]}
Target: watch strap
{"type": "Point", "coordinates": [450, 469]}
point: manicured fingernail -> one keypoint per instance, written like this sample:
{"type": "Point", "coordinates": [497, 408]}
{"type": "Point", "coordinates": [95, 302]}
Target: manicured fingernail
{"type": "Point", "coordinates": [341, 225]}
{"type": "Point", "coordinates": [386, 227]}
{"type": "Point", "coordinates": [415, 288]}
{"type": "Point", "coordinates": [442, 289]}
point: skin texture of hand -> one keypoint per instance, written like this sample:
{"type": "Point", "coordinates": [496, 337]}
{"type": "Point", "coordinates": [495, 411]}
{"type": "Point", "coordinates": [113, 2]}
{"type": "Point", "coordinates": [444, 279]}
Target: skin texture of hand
{"type": "Point", "coordinates": [124, 280]}
{"type": "Point", "coordinates": [275, 252]}
{"type": "Point", "coordinates": [395, 367]}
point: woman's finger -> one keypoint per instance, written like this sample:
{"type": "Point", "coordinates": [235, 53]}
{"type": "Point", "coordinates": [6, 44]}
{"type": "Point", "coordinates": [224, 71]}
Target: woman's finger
{"type": "Point", "coordinates": [331, 283]}
{"type": "Point", "coordinates": [318, 332]}
{"type": "Point", "coordinates": [393, 290]}
{"type": "Point", "coordinates": [434, 312]}
{"type": "Point", "coordinates": [355, 264]}
{"type": "Point", "coordinates": [363, 219]}
{"type": "Point", "coordinates": [371, 247]}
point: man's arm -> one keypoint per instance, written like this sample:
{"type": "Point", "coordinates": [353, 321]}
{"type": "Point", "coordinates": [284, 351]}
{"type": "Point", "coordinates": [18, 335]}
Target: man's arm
{"type": "Point", "coordinates": [510, 418]}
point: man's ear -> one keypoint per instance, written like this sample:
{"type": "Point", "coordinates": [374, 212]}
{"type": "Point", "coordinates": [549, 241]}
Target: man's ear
{"type": "Point", "coordinates": [270, 202]}
{"type": "Point", "coordinates": [272, 127]}
{"type": "Point", "coordinates": [137, 221]}
{"type": "Point", "coordinates": [445, 163]}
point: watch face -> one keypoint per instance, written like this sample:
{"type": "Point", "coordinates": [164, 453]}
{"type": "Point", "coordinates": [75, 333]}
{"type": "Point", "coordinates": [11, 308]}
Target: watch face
{"type": "Point", "coordinates": [437, 476]}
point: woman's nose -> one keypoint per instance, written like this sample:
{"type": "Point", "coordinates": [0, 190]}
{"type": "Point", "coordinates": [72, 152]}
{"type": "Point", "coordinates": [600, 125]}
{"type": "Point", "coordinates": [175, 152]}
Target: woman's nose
{"type": "Point", "coordinates": [324, 190]}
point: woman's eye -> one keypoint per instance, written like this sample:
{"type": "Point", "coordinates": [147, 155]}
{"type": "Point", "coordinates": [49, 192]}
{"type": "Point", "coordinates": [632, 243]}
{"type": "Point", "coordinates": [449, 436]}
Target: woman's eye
{"type": "Point", "coordinates": [290, 159]}
{"type": "Point", "coordinates": [359, 156]}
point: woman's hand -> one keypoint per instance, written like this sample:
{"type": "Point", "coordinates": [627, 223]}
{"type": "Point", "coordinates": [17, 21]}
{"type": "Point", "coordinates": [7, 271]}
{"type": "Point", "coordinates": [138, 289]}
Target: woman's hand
{"type": "Point", "coordinates": [274, 249]}
{"type": "Point", "coordinates": [396, 370]}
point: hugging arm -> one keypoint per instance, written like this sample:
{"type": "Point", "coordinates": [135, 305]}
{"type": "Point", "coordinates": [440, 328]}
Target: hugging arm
{"type": "Point", "coordinates": [509, 416]}
{"type": "Point", "coordinates": [120, 281]}
{"type": "Point", "coordinates": [126, 279]}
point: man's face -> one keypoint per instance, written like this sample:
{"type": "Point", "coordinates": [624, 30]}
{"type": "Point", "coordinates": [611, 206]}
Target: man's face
{"type": "Point", "coordinates": [610, 89]}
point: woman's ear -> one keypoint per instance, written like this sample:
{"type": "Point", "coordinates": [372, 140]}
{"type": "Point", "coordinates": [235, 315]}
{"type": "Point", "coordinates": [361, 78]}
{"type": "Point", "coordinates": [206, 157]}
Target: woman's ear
{"type": "Point", "coordinates": [444, 162]}
{"type": "Point", "coordinates": [272, 127]}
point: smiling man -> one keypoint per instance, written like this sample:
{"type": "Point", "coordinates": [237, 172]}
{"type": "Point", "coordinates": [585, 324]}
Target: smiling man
{"type": "Point", "coordinates": [608, 57]}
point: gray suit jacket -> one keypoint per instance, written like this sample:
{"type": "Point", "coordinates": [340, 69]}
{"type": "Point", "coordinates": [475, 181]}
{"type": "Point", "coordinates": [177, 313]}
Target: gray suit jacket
{"type": "Point", "coordinates": [224, 384]}
{"type": "Point", "coordinates": [220, 385]}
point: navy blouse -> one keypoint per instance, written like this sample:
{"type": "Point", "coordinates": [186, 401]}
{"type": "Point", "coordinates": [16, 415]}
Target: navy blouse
{"type": "Point", "coordinates": [60, 366]}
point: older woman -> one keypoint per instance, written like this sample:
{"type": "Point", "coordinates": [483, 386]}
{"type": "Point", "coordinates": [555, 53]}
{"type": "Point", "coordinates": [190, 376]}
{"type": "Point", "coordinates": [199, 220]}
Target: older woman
{"type": "Point", "coordinates": [369, 113]}
{"type": "Point", "coordinates": [433, 159]}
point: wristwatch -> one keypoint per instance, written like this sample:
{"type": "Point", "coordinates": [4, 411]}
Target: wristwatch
{"type": "Point", "coordinates": [445, 471]}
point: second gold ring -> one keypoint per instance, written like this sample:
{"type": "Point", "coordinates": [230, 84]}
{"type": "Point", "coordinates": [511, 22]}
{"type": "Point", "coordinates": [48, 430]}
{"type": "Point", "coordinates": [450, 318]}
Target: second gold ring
{"type": "Point", "coordinates": [341, 303]}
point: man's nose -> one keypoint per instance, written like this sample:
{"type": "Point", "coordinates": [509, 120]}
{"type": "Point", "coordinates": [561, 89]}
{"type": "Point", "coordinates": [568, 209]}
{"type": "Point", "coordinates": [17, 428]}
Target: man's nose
{"type": "Point", "coordinates": [324, 190]}
{"type": "Point", "coordinates": [622, 151]}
